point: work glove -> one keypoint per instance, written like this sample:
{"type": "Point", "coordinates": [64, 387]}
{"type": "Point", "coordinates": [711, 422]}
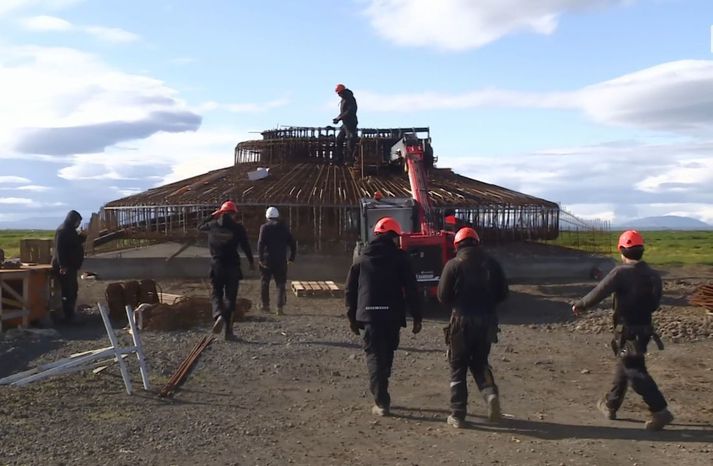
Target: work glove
{"type": "Point", "coordinates": [335, 121]}
{"type": "Point", "coordinates": [416, 326]}
{"type": "Point", "coordinates": [354, 326]}
{"type": "Point", "coordinates": [576, 310]}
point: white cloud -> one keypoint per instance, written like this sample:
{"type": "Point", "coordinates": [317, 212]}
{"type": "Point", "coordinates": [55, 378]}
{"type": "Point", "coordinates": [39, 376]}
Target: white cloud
{"type": "Point", "coordinates": [466, 24]}
{"type": "Point", "coordinates": [107, 34]}
{"type": "Point", "coordinates": [13, 179]}
{"type": "Point", "coordinates": [29, 188]}
{"type": "Point", "coordinates": [64, 95]}
{"type": "Point", "coordinates": [46, 23]}
{"type": "Point", "coordinates": [16, 201]}
{"type": "Point", "coordinates": [621, 180]}
{"type": "Point", "coordinates": [7, 6]}
{"type": "Point", "coordinates": [675, 97]}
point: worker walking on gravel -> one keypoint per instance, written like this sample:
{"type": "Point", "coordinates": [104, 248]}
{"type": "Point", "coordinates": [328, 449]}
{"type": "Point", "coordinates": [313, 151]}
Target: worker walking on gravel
{"type": "Point", "coordinates": [348, 131]}
{"type": "Point", "coordinates": [272, 244]}
{"type": "Point", "coordinates": [472, 284]}
{"type": "Point", "coordinates": [380, 286]}
{"type": "Point", "coordinates": [637, 294]}
{"type": "Point", "coordinates": [225, 235]}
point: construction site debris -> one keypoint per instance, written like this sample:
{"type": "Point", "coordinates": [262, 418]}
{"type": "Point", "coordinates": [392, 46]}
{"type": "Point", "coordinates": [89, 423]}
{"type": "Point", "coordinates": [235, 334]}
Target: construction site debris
{"type": "Point", "coordinates": [258, 174]}
{"type": "Point", "coordinates": [184, 313]}
{"type": "Point", "coordinates": [703, 296]}
{"type": "Point", "coordinates": [184, 369]}
{"type": "Point", "coordinates": [327, 289]}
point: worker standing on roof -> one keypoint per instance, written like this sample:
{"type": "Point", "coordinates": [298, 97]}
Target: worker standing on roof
{"type": "Point", "coordinates": [348, 131]}
{"type": "Point", "coordinates": [275, 237]}
{"type": "Point", "coordinates": [637, 294]}
{"type": "Point", "coordinates": [380, 285]}
{"type": "Point", "coordinates": [472, 284]}
{"type": "Point", "coordinates": [67, 260]}
{"type": "Point", "coordinates": [225, 235]}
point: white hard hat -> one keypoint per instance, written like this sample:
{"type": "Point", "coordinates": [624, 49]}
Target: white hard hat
{"type": "Point", "coordinates": [272, 212]}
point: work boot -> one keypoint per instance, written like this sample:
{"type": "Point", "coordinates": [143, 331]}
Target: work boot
{"type": "Point", "coordinates": [659, 420]}
{"type": "Point", "coordinates": [230, 336]}
{"type": "Point", "coordinates": [605, 410]}
{"type": "Point", "coordinates": [280, 311]}
{"type": "Point", "coordinates": [265, 308]}
{"type": "Point", "coordinates": [218, 325]}
{"type": "Point", "coordinates": [456, 422]}
{"type": "Point", "coordinates": [378, 411]}
{"type": "Point", "coordinates": [493, 403]}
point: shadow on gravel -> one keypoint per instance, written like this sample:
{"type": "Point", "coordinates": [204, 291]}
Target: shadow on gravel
{"type": "Point", "coordinates": [524, 309]}
{"type": "Point", "coordinates": [552, 431]}
{"type": "Point", "coordinates": [348, 345]}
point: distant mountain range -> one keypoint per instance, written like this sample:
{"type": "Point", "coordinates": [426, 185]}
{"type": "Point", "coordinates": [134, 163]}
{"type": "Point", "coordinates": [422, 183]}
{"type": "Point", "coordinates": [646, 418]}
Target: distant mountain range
{"type": "Point", "coordinates": [666, 222]}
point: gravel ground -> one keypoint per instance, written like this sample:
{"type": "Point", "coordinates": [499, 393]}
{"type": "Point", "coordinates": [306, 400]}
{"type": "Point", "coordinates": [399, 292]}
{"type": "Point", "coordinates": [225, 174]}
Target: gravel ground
{"type": "Point", "coordinates": [294, 391]}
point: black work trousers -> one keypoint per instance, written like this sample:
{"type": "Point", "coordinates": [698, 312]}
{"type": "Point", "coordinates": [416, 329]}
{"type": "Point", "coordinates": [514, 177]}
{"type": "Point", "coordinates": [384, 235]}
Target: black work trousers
{"type": "Point", "coordinates": [470, 341]}
{"type": "Point", "coordinates": [631, 369]}
{"type": "Point", "coordinates": [380, 342]}
{"type": "Point", "coordinates": [225, 281]}
{"type": "Point", "coordinates": [69, 288]}
{"type": "Point", "coordinates": [348, 134]}
{"type": "Point", "coordinates": [278, 272]}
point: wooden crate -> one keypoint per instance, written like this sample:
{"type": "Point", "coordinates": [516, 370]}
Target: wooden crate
{"type": "Point", "coordinates": [36, 251]}
{"type": "Point", "coordinates": [316, 289]}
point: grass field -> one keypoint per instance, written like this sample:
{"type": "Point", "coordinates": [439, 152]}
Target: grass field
{"type": "Point", "coordinates": [662, 247]}
{"type": "Point", "coordinates": [10, 239]}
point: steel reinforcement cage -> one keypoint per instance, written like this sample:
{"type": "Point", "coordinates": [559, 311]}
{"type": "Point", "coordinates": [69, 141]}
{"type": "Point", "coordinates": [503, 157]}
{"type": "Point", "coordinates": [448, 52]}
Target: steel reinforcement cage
{"type": "Point", "coordinates": [320, 201]}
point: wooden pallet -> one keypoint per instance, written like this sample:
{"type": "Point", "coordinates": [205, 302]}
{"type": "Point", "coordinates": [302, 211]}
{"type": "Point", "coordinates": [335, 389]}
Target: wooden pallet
{"type": "Point", "coordinates": [315, 289]}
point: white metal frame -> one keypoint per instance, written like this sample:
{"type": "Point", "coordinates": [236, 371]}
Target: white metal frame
{"type": "Point", "coordinates": [85, 360]}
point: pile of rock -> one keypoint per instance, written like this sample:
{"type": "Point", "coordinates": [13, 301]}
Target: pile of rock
{"type": "Point", "coordinates": [673, 324]}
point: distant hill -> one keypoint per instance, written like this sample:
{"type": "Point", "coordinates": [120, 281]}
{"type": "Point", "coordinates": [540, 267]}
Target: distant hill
{"type": "Point", "coordinates": [666, 222]}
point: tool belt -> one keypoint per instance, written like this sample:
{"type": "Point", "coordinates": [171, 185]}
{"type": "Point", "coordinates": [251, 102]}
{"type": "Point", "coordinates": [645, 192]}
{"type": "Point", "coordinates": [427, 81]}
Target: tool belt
{"type": "Point", "coordinates": [491, 321]}
{"type": "Point", "coordinates": [632, 340]}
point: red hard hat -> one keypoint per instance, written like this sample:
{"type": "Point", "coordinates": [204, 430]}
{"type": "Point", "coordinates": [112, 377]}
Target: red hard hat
{"type": "Point", "coordinates": [339, 88]}
{"type": "Point", "coordinates": [629, 239]}
{"type": "Point", "coordinates": [466, 233]}
{"type": "Point", "coordinates": [386, 225]}
{"type": "Point", "coordinates": [228, 207]}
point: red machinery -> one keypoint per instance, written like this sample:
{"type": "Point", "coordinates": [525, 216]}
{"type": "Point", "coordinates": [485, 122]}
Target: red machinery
{"type": "Point", "coordinates": [428, 247]}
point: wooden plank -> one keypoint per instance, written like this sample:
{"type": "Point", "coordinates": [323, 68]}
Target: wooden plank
{"type": "Point", "coordinates": [332, 286]}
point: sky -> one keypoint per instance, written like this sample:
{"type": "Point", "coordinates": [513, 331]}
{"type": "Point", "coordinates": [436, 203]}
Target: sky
{"type": "Point", "coordinates": [605, 106]}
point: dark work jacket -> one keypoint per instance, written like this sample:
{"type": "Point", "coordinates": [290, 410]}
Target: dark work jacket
{"type": "Point", "coordinates": [381, 284]}
{"type": "Point", "coordinates": [472, 283]}
{"type": "Point", "coordinates": [348, 109]}
{"type": "Point", "coordinates": [273, 242]}
{"type": "Point", "coordinates": [224, 237]}
{"type": "Point", "coordinates": [68, 244]}
{"type": "Point", "coordinates": [637, 293]}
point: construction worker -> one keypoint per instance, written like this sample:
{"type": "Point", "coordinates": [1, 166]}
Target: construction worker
{"type": "Point", "coordinates": [348, 131]}
{"type": "Point", "coordinates": [380, 285]}
{"type": "Point", "coordinates": [637, 294]}
{"type": "Point", "coordinates": [225, 235]}
{"type": "Point", "coordinates": [67, 260]}
{"type": "Point", "coordinates": [472, 284]}
{"type": "Point", "coordinates": [275, 237]}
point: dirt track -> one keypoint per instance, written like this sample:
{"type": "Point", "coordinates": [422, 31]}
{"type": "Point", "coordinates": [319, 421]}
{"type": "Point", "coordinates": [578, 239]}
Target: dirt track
{"type": "Point", "coordinates": [294, 392]}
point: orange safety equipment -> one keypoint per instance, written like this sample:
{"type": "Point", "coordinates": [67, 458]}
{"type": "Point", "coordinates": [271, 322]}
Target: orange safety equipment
{"type": "Point", "coordinates": [629, 239]}
{"type": "Point", "coordinates": [339, 88]}
{"type": "Point", "coordinates": [464, 234]}
{"type": "Point", "coordinates": [228, 207]}
{"type": "Point", "coordinates": [386, 225]}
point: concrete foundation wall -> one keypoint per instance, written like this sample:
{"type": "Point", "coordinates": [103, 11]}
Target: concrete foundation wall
{"type": "Point", "coordinates": [312, 267]}
{"type": "Point", "coordinates": [320, 267]}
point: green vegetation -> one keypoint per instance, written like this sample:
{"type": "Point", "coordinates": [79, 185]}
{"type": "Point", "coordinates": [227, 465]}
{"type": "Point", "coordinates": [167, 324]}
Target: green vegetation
{"type": "Point", "coordinates": [10, 239]}
{"type": "Point", "coordinates": [662, 247]}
